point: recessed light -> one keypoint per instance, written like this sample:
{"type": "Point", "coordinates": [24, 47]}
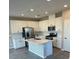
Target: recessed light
{"type": "Point", "coordinates": [65, 5]}
{"type": "Point", "coordinates": [32, 10]}
{"type": "Point", "coordinates": [48, 0]}
{"type": "Point", "coordinates": [46, 12]}
{"type": "Point", "coordinates": [36, 16]}
{"type": "Point", "coordinates": [22, 14]}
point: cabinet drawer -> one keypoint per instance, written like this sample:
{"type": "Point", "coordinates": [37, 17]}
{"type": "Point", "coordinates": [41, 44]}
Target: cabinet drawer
{"type": "Point", "coordinates": [18, 43]}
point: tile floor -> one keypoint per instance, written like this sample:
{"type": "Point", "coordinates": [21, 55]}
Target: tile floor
{"type": "Point", "coordinates": [23, 53]}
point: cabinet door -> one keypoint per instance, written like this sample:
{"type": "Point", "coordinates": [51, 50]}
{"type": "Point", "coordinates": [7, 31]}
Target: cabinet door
{"type": "Point", "coordinates": [10, 43]}
{"type": "Point", "coordinates": [18, 43]}
{"type": "Point", "coordinates": [21, 43]}
{"type": "Point", "coordinates": [67, 35]}
{"type": "Point", "coordinates": [55, 42]}
{"type": "Point", "coordinates": [43, 25]}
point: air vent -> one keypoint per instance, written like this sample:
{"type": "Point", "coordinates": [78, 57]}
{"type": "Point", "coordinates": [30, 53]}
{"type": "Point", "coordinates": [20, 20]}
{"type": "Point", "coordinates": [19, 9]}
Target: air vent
{"type": "Point", "coordinates": [58, 14]}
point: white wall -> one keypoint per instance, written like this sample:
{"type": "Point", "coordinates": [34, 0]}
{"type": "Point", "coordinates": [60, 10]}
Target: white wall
{"type": "Point", "coordinates": [16, 25]}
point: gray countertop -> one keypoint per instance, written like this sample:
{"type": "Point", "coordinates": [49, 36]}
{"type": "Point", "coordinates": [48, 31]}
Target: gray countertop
{"type": "Point", "coordinates": [16, 35]}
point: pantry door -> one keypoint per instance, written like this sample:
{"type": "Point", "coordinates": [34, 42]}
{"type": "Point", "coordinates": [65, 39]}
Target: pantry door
{"type": "Point", "coordinates": [66, 44]}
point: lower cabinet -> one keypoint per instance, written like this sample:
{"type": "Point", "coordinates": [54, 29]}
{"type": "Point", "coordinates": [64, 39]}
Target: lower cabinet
{"type": "Point", "coordinates": [18, 43]}
{"type": "Point", "coordinates": [55, 42]}
{"type": "Point", "coordinates": [10, 43]}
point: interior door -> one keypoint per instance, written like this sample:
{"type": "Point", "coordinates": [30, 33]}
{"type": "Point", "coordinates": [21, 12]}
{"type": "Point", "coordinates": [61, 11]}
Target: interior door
{"type": "Point", "coordinates": [67, 35]}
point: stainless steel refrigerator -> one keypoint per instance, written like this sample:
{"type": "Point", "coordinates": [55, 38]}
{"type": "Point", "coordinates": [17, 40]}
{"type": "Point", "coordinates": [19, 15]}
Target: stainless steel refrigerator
{"type": "Point", "coordinates": [27, 33]}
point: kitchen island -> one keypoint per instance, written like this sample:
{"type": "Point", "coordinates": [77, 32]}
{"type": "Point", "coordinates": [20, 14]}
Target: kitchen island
{"type": "Point", "coordinates": [42, 48]}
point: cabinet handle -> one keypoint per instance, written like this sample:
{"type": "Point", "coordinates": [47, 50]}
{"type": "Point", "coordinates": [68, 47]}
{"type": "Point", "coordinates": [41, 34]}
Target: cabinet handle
{"type": "Point", "coordinates": [65, 38]}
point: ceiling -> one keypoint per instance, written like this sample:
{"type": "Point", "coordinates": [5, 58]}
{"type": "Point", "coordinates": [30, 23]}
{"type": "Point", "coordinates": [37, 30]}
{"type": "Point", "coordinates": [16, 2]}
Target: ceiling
{"type": "Point", "coordinates": [22, 8]}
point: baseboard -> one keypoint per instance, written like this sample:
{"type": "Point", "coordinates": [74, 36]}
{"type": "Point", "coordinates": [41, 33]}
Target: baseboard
{"type": "Point", "coordinates": [56, 47]}
{"type": "Point", "coordinates": [64, 50]}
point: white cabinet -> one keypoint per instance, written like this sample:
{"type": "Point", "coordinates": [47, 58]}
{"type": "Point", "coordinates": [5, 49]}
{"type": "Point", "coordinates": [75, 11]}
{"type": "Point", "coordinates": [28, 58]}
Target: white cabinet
{"type": "Point", "coordinates": [18, 43]}
{"type": "Point", "coordinates": [10, 43]}
{"type": "Point", "coordinates": [58, 24]}
{"type": "Point", "coordinates": [43, 25]}
{"type": "Point", "coordinates": [55, 42]}
{"type": "Point", "coordinates": [16, 25]}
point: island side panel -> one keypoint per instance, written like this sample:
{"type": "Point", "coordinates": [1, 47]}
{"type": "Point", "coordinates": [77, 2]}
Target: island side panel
{"type": "Point", "coordinates": [48, 49]}
{"type": "Point", "coordinates": [37, 49]}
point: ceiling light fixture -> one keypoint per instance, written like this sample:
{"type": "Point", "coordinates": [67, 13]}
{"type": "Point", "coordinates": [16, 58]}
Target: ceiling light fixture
{"type": "Point", "coordinates": [32, 10]}
{"type": "Point", "coordinates": [65, 5]}
{"type": "Point", "coordinates": [36, 16]}
{"type": "Point", "coordinates": [46, 12]}
{"type": "Point", "coordinates": [22, 14]}
{"type": "Point", "coordinates": [48, 0]}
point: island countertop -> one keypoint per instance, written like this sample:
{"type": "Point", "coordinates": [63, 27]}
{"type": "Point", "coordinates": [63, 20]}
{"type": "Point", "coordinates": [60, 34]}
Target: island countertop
{"type": "Point", "coordinates": [42, 41]}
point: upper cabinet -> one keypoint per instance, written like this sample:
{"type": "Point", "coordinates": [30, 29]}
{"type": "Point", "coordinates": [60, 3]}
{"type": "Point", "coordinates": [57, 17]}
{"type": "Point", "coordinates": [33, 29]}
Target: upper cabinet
{"type": "Point", "coordinates": [43, 25]}
{"type": "Point", "coordinates": [58, 23]}
{"type": "Point", "coordinates": [16, 25]}
{"type": "Point", "coordinates": [51, 20]}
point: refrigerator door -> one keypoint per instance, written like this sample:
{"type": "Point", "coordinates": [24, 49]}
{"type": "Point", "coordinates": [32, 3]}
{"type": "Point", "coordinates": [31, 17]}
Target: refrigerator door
{"type": "Point", "coordinates": [28, 32]}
